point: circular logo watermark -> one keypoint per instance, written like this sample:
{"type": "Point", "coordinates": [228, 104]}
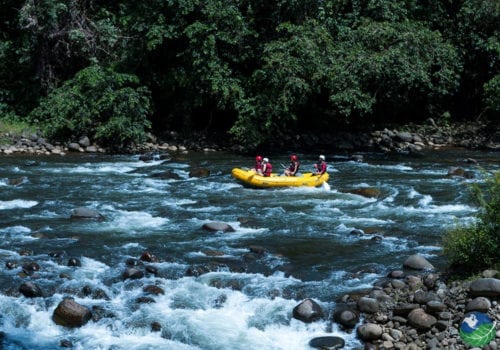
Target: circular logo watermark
{"type": "Point", "coordinates": [477, 329]}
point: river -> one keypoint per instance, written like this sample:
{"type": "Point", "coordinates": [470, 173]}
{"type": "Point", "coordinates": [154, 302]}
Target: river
{"type": "Point", "coordinates": [244, 301]}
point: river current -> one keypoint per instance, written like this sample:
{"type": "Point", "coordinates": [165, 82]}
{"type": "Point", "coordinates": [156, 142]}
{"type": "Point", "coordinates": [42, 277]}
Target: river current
{"type": "Point", "coordinates": [233, 299]}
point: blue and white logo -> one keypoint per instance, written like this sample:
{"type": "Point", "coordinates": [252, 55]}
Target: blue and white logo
{"type": "Point", "coordinates": [477, 329]}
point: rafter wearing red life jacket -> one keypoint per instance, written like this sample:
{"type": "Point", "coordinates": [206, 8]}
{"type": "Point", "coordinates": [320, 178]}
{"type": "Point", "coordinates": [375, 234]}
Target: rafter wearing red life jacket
{"type": "Point", "coordinates": [267, 168]}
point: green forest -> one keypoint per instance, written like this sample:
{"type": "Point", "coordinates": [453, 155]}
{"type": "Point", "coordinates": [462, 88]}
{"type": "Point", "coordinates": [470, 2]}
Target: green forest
{"type": "Point", "coordinates": [253, 69]}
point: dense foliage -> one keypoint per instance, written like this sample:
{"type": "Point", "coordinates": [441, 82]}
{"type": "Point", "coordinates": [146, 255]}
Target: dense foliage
{"type": "Point", "coordinates": [476, 246]}
{"type": "Point", "coordinates": [257, 69]}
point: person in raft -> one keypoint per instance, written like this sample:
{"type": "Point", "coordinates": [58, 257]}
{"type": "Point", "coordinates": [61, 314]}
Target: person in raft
{"type": "Point", "coordinates": [294, 166]}
{"type": "Point", "coordinates": [320, 166]}
{"type": "Point", "coordinates": [267, 168]}
{"type": "Point", "coordinates": [258, 165]}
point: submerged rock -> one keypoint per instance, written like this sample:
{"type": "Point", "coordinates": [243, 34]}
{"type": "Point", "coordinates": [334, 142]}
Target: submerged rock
{"type": "Point", "coordinates": [86, 213]}
{"type": "Point", "coordinates": [218, 227]}
{"type": "Point", "coordinates": [308, 311]}
{"type": "Point", "coordinates": [30, 290]}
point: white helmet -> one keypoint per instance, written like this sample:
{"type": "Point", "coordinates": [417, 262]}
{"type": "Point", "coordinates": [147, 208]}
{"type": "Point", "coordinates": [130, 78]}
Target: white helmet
{"type": "Point", "coordinates": [322, 157]}
{"type": "Point", "coordinates": [266, 160]}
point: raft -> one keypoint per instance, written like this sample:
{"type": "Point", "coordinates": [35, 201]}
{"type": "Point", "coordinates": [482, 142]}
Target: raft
{"type": "Point", "coordinates": [251, 179]}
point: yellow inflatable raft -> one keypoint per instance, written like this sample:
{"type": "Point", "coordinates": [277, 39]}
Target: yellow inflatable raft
{"type": "Point", "coordinates": [250, 178]}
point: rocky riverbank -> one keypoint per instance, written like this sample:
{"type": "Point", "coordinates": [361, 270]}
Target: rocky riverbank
{"type": "Point", "coordinates": [410, 139]}
{"type": "Point", "coordinates": [415, 308]}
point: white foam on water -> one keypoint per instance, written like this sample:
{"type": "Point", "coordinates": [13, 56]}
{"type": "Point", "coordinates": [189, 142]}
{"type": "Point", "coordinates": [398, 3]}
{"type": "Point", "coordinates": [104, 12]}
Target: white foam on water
{"type": "Point", "coordinates": [16, 230]}
{"type": "Point", "coordinates": [412, 193]}
{"type": "Point", "coordinates": [105, 167]}
{"type": "Point", "coordinates": [177, 203]}
{"type": "Point", "coordinates": [240, 323]}
{"type": "Point", "coordinates": [132, 221]}
{"type": "Point", "coordinates": [439, 209]}
{"type": "Point", "coordinates": [400, 167]}
{"type": "Point", "coordinates": [17, 204]}
{"type": "Point", "coordinates": [425, 201]}
{"type": "Point", "coordinates": [365, 220]}
{"type": "Point", "coordinates": [208, 209]}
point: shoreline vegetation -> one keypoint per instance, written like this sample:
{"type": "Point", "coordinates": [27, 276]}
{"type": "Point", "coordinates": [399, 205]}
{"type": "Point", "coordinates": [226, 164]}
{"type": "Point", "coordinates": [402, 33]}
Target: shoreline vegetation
{"type": "Point", "coordinates": [408, 139]}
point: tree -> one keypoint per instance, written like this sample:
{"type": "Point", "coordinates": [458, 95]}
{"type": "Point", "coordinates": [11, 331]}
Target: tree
{"type": "Point", "coordinates": [108, 107]}
{"type": "Point", "coordinates": [474, 247]}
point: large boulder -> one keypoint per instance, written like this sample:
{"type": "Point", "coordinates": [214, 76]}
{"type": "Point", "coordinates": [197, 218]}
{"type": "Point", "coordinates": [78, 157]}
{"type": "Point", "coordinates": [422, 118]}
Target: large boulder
{"type": "Point", "coordinates": [369, 331]}
{"type": "Point", "coordinates": [417, 262]}
{"type": "Point", "coordinates": [421, 320]}
{"type": "Point", "coordinates": [485, 287]}
{"type": "Point", "coordinates": [215, 226]}
{"type": "Point", "coordinates": [308, 311]}
{"type": "Point", "coordinates": [327, 343]}
{"type": "Point", "coordinates": [368, 192]}
{"type": "Point", "coordinates": [368, 305]}
{"type": "Point", "coordinates": [30, 290]}
{"type": "Point", "coordinates": [346, 317]}
{"type": "Point", "coordinates": [480, 304]}
{"type": "Point", "coordinates": [71, 314]}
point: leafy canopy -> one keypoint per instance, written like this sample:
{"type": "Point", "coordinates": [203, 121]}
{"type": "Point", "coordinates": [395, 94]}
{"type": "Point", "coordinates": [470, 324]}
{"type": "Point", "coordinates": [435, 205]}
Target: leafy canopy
{"type": "Point", "coordinates": [106, 106]}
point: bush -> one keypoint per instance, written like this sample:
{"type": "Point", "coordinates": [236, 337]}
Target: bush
{"type": "Point", "coordinates": [108, 107]}
{"type": "Point", "coordinates": [475, 246]}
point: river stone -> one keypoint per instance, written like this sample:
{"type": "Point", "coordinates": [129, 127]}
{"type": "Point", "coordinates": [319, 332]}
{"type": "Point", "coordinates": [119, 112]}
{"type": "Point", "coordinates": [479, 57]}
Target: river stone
{"type": "Point", "coordinates": [133, 274]}
{"type": "Point", "coordinates": [480, 304]}
{"type": "Point", "coordinates": [84, 141]}
{"type": "Point", "coordinates": [75, 147]}
{"type": "Point", "coordinates": [398, 284]}
{"type": "Point", "coordinates": [396, 274]}
{"type": "Point", "coordinates": [149, 257]}
{"type": "Point", "coordinates": [430, 280]}
{"type": "Point", "coordinates": [71, 314]}
{"type": "Point", "coordinates": [404, 309]}
{"type": "Point", "coordinates": [368, 305]}
{"type": "Point", "coordinates": [435, 306]}
{"type": "Point", "coordinates": [199, 173]}
{"type": "Point", "coordinates": [30, 290]}
{"type": "Point", "coordinates": [18, 181]}
{"type": "Point", "coordinates": [327, 343]}
{"type": "Point", "coordinates": [404, 136]}
{"type": "Point", "coordinates": [455, 171]}
{"type": "Point", "coordinates": [167, 174]}
{"type": "Point", "coordinates": [485, 287]}
{"type": "Point", "coordinates": [75, 262]}
{"type": "Point", "coordinates": [86, 213]}
{"type": "Point", "coordinates": [152, 289]}
{"type": "Point", "coordinates": [368, 192]}
{"type": "Point", "coordinates": [218, 227]}
{"type": "Point", "coordinates": [308, 311]}
{"type": "Point", "coordinates": [417, 262]}
{"type": "Point", "coordinates": [369, 331]}
{"type": "Point", "coordinates": [422, 297]}
{"type": "Point", "coordinates": [346, 317]}
{"type": "Point", "coordinates": [30, 268]}
{"type": "Point", "coordinates": [414, 282]}
{"type": "Point", "coordinates": [419, 319]}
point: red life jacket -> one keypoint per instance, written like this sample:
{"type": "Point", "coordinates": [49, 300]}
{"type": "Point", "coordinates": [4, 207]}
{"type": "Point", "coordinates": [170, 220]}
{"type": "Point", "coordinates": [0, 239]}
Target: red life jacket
{"type": "Point", "coordinates": [321, 167]}
{"type": "Point", "coordinates": [269, 169]}
{"type": "Point", "coordinates": [291, 168]}
{"type": "Point", "coordinates": [258, 166]}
